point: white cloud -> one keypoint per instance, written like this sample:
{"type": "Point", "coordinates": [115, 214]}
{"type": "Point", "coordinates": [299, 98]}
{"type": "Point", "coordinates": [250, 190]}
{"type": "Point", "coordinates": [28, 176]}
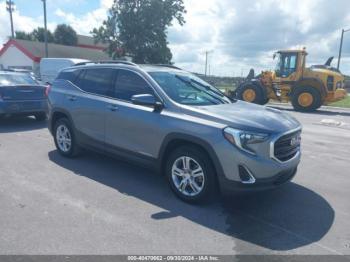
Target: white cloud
{"type": "Point", "coordinates": [21, 22]}
{"type": "Point", "coordinates": [242, 34]}
{"type": "Point", "coordinates": [85, 24]}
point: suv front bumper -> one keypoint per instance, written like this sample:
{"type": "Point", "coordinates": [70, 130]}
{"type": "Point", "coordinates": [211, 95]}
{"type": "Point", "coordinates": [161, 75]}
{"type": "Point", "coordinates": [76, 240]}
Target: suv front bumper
{"type": "Point", "coordinates": [267, 171]}
{"type": "Point", "coordinates": [284, 176]}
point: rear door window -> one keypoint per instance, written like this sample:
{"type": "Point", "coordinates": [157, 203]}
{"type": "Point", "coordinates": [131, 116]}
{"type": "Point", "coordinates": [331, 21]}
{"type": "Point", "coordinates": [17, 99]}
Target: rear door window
{"type": "Point", "coordinates": [128, 84]}
{"type": "Point", "coordinates": [96, 80]}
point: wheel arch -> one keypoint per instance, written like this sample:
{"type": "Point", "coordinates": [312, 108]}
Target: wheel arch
{"type": "Point", "coordinates": [175, 140]}
{"type": "Point", "coordinates": [58, 114]}
{"type": "Point", "coordinates": [311, 82]}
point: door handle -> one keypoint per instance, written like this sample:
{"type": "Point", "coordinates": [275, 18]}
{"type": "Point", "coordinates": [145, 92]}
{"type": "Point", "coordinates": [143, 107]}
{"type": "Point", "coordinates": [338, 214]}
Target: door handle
{"type": "Point", "coordinates": [72, 98]}
{"type": "Point", "coordinates": [113, 108]}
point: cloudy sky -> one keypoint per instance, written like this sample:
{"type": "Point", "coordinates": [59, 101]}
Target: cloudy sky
{"type": "Point", "coordinates": [239, 34]}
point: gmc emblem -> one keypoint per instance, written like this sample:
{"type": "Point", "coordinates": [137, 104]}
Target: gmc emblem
{"type": "Point", "coordinates": [295, 141]}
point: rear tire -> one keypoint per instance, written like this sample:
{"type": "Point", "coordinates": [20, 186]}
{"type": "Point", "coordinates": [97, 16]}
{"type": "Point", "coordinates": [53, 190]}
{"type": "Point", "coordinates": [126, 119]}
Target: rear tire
{"type": "Point", "coordinates": [306, 99]}
{"type": "Point", "coordinates": [249, 92]}
{"type": "Point", "coordinates": [195, 182]}
{"type": "Point", "coordinates": [64, 138]}
{"type": "Point", "coordinates": [40, 117]}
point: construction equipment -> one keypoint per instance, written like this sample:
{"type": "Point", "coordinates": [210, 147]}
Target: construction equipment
{"type": "Point", "coordinates": [306, 88]}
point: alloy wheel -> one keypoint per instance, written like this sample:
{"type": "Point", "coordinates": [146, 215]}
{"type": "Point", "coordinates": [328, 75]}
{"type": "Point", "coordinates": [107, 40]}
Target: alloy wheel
{"type": "Point", "coordinates": [64, 138]}
{"type": "Point", "coordinates": [188, 176]}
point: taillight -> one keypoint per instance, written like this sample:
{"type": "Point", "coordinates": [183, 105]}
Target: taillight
{"type": "Point", "coordinates": [47, 90]}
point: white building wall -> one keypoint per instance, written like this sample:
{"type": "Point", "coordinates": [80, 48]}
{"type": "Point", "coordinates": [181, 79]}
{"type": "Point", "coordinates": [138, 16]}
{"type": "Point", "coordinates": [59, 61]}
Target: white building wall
{"type": "Point", "coordinates": [15, 58]}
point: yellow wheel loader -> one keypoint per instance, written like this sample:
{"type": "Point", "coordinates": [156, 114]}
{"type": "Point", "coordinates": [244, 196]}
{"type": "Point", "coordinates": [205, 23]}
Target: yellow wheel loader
{"type": "Point", "coordinates": [306, 88]}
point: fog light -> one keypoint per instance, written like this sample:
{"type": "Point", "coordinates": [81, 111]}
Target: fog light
{"type": "Point", "coordinates": [245, 175]}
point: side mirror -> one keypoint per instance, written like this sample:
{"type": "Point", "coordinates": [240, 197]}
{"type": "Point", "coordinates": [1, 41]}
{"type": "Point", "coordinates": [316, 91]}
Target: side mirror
{"type": "Point", "coordinates": [146, 100]}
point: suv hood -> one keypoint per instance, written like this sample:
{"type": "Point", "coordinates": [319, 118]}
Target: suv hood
{"type": "Point", "coordinates": [247, 116]}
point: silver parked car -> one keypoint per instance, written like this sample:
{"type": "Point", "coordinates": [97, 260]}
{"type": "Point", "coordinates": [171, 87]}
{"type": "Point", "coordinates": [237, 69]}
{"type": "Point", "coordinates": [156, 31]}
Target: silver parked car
{"type": "Point", "coordinates": [169, 119]}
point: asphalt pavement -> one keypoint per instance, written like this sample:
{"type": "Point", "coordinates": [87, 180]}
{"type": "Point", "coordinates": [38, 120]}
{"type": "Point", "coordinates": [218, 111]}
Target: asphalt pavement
{"type": "Point", "coordinates": [98, 205]}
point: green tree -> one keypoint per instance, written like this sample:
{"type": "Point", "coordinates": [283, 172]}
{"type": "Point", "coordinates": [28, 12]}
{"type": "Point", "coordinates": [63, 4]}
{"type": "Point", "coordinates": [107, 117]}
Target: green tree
{"type": "Point", "coordinates": [65, 35]}
{"type": "Point", "coordinates": [23, 35]}
{"type": "Point", "coordinates": [39, 35]}
{"type": "Point", "coordinates": [139, 28]}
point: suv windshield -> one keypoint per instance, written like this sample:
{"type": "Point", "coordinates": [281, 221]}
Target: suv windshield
{"type": "Point", "coordinates": [16, 79]}
{"type": "Point", "coordinates": [187, 89]}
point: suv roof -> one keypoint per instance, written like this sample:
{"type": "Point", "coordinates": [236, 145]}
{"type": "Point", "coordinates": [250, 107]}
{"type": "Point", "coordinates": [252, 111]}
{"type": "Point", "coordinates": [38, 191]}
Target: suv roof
{"type": "Point", "coordinates": [106, 62]}
{"type": "Point", "coordinates": [146, 67]}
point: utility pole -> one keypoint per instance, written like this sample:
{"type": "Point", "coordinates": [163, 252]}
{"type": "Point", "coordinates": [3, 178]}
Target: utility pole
{"type": "Point", "coordinates": [341, 45]}
{"type": "Point", "coordinates": [10, 8]}
{"type": "Point", "coordinates": [206, 61]}
{"type": "Point", "coordinates": [45, 26]}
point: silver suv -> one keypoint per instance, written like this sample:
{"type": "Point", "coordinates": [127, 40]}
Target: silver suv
{"type": "Point", "coordinates": [169, 119]}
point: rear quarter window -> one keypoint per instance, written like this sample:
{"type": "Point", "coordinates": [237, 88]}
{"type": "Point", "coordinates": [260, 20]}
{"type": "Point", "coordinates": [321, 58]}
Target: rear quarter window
{"type": "Point", "coordinates": [69, 75]}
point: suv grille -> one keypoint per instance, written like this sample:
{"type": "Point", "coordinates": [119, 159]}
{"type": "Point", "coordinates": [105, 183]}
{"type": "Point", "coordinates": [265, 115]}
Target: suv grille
{"type": "Point", "coordinates": [287, 146]}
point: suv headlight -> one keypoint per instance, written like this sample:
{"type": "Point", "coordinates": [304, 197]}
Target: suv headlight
{"type": "Point", "coordinates": [243, 139]}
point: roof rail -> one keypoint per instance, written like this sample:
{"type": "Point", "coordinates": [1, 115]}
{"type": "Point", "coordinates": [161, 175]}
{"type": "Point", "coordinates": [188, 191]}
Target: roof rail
{"type": "Point", "coordinates": [107, 62]}
{"type": "Point", "coordinates": [167, 65]}
{"type": "Point", "coordinates": [16, 70]}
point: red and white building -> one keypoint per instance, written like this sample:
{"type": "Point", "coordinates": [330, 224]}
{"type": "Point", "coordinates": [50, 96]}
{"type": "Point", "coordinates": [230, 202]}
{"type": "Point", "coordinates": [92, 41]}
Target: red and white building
{"type": "Point", "coordinates": [25, 54]}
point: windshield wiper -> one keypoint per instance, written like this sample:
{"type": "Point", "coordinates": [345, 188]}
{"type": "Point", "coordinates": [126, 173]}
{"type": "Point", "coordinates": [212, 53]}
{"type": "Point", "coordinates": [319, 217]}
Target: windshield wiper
{"type": "Point", "coordinates": [215, 94]}
{"type": "Point", "coordinates": [214, 90]}
{"type": "Point", "coordinates": [209, 88]}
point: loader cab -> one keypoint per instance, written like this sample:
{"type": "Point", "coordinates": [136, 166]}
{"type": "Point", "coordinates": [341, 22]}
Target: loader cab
{"type": "Point", "coordinates": [290, 64]}
{"type": "Point", "coordinates": [286, 63]}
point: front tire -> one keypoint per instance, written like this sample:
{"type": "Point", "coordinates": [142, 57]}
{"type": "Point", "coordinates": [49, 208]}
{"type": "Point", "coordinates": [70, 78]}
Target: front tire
{"type": "Point", "coordinates": [190, 174]}
{"type": "Point", "coordinates": [65, 139]}
{"type": "Point", "coordinates": [306, 99]}
{"type": "Point", "coordinates": [249, 92]}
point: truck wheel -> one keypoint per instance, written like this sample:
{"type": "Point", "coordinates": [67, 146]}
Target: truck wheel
{"type": "Point", "coordinates": [190, 174]}
{"type": "Point", "coordinates": [306, 99]}
{"type": "Point", "coordinates": [251, 93]}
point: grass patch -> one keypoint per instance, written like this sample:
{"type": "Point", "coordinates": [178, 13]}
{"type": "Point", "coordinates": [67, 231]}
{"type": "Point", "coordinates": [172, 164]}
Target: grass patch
{"type": "Point", "coordinates": [343, 103]}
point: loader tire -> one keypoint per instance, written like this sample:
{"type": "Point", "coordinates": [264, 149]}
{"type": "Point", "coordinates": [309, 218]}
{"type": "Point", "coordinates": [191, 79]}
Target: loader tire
{"type": "Point", "coordinates": [306, 99]}
{"type": "Point", "coordinates": [251, 93]}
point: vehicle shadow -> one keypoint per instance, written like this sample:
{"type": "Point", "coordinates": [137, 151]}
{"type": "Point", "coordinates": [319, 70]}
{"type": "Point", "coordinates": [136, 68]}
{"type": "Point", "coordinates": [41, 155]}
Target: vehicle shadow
{"type": "Point", "coordinates": [284, 219]}
{"type": "Point", "coordinates": [20, 124]}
